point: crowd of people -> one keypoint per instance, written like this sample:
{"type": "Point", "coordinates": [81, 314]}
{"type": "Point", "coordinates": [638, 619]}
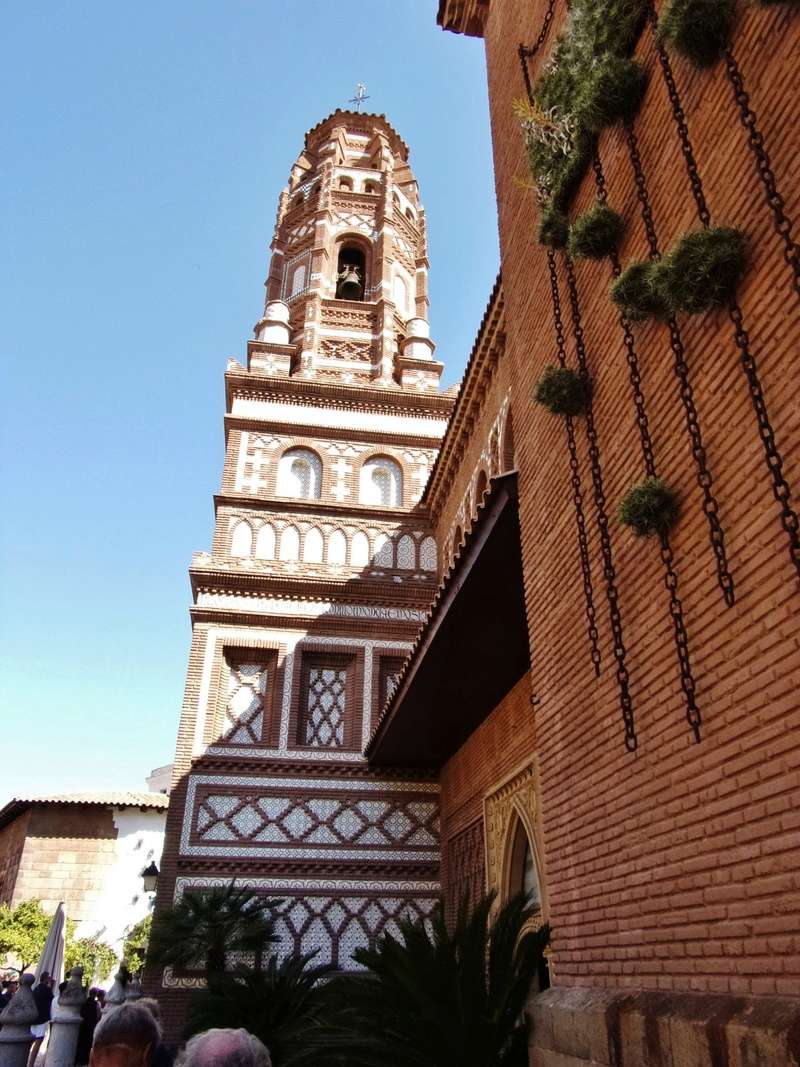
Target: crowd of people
{"type": "Point", "coordinates": [130, 1035]}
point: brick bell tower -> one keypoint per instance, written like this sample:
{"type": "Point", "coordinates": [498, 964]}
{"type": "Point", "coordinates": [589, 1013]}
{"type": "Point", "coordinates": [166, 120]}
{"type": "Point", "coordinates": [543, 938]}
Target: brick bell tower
{"type": "Point", "coordinates": [322, 568]}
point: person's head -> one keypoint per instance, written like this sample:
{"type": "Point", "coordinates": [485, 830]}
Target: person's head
{"type": "Point", "coordinates": [13, 985]}
{"type": "Point", "coordinates": [101, 995]}
{"type": "Point", "coordinates": [45, 979]}
{"type": "Point", "coordinates": [125, 1037]}
{"type": "Point", "coordinates": [224, 1048]}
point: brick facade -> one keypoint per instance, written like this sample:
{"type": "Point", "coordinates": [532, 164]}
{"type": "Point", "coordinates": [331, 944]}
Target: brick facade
{"type": "Point", "coordinates": [672, 869]}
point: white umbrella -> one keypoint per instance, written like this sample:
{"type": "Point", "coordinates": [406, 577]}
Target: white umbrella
{"type": "Point", "coordinates": [52, 957]}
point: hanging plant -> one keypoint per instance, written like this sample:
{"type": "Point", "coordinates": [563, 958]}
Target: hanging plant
{"type": "Point", "coordinates": [595, 233]}
{"type": "Point", "coordinates": [563, 391]}
{"type": "Point", "coordinates": [650, 508]}
{"type": "Point", "coordinates": [637, 293]}
{"type": "Point", "coordinates": [553, 228]}
{"type": "Point", "coordinates": [703, 269]}
{"type": "Point", "coordinates": [699, 30]}
{"type": "Point", "coordinates": [588, 82]}
{"type": "Point", "coordinates": [613, 93]}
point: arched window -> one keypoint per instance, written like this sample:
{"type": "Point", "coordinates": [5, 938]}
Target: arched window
{"type": "Point", "coordinates": [359, 550]}
{"type": "Point", "coordinates": [346, 183]}
{"type": "Point", "coordinates": [370, 187]}
{"type": "Point", "coordinates": [299, 474]}
{"type": "Point", "coordinates": [297, 200]}
{"type": "Point", "coordinates": [523, 875]}
{"type": "Point", "coordinates": [409, 214]}
{"type": "Point", "coordinates": [265, 542]}
{"type": "Point", "coordinates": [242, 540]}
{"type": "Point", "coordinates": [382, 554]}
{"type": "Point", "coordinates": [351, 272]}
{"type": "Point", "coordinates": [458, 537]}
{"type": "Point", "coordinates": [427, 554]}
{"type": "Point", "coordinates": [401, 294]}
{"type": "Point", "coordinates": [312, 546]}
{"type": "Point", "coordinates": [381, 482]}
{"type": "Point", "coordinates": [337, 548]}
{"type": "Point", "coordinates": [290, 543]}
{"type": "Point", "coordinates": [405, 553]}
{"type": "Point", "coordinates": [298, 280]}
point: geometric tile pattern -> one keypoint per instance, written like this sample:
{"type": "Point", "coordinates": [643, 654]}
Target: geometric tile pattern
{"type": "Point", "coordinates": [244, 710]}
{"type": "Point", "coordinates": [404, 822]}
{"type": "Point", "coordinates": [324, 719]}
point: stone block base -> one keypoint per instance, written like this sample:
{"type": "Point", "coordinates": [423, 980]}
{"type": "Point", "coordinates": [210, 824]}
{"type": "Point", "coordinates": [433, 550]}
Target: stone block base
{"type": "Point", "coordinates": [573, 1027]}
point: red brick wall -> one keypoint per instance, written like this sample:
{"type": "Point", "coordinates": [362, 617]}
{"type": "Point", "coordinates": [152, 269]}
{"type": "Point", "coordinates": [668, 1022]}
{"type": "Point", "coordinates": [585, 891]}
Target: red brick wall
{"type": "Point", "coordinates": [675, 867]}
{"type": "Point", "coordinates": [501, 743]}
{"type": "Point", "coordinates": [12, 842]}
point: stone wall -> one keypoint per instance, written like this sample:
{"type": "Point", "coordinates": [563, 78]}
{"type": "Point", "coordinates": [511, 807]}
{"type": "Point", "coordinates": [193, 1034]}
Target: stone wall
{"type": "Point", "coordinates": [12, 842]}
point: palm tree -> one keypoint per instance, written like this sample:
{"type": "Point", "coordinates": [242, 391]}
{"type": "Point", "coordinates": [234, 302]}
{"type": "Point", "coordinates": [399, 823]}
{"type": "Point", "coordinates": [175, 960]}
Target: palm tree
{"type": "Point", "coordinates": [206, 924]}
{"type": "Point", "coordinates": [439, 997]}
{"type": "Point", "coordinates": [279, 1005]}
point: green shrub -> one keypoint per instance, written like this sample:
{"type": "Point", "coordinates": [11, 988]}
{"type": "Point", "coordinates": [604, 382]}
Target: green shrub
{"type": "Point", "coordinates": [699, 30]}
{"type": "Point", "coordinates": [563, 391]}
{"type": "Point", "coordinates": [649, 508]}
{"type": "Point", "coordinates": [560, 129]}
{"type": "Point", "coordinates": [703, 269]}
{"type": "Point", "coordinates": [553, 228]}
{"type": "Point", "coordinates": [595, 233]}
{"type": "Point", "coordinates": [612, 93]}
{"type": "Point", "coordinates": [637, 293]}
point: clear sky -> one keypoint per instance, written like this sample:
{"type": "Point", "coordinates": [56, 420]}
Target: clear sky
{"type": "Point", "coordinates": [144, 149]}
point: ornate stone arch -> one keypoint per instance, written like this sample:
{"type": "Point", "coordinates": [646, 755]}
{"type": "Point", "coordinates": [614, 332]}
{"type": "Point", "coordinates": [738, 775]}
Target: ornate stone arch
{"type": "Point", "coordinates": [509, 807]}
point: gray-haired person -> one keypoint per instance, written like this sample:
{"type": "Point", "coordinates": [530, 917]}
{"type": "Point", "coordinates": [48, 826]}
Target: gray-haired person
{"type": "Point", "coordinates": [125, 1037]}
{"type": "Point", "coordinates": [224, 1048]}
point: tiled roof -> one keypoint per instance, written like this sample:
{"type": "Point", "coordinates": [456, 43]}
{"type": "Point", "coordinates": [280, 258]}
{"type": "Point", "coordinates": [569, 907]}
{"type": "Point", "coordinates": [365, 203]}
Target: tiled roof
{"type": "Point", "coordinates": [18, 805]}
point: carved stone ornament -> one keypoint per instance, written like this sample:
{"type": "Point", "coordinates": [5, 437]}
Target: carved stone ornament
{"type": "Point", "coordinates": [514, 799]}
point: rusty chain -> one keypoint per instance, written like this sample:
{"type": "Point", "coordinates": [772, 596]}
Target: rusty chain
{"type": "Point", "coordinates": [526, 53]}
{"type": "Point", "coordinates": [704, 477]}
{"type": "Point", "coordinates": [577, 494]}
{"type": "Point", "coordinates": [780, 487]}
{"type": "Point", "coordinates": [755, 142]}
{"type": "Point", "coordinates": [609, 571]}
{"type": "Point", "coordinates": [667, 557]}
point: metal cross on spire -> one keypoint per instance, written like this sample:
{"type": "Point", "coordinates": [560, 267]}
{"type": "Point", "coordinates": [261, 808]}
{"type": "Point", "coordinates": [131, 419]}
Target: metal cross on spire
{"type": "Point", "coordinates": [360, 97]}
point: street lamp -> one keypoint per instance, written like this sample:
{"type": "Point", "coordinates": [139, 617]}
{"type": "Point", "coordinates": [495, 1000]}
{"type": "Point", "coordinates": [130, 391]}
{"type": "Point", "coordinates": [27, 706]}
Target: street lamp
{"type": "Point", "coordinates": [150, 877]}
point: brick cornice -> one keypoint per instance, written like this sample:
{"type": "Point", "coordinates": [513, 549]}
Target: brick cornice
{"type": "Point", "coordinates": [303, 587]}
{"type": "Point", "coordinates": [321, 509]}
{"type": "Point", "coordinates": [292, 429]}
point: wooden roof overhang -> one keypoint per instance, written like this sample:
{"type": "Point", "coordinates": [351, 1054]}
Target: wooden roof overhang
{"type": "Point", "coordinates": [472, 649]}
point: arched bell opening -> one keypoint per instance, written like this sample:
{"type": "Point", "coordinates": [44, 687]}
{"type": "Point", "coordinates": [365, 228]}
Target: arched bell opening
{"type": "Point", "coordinates": [351, 272]}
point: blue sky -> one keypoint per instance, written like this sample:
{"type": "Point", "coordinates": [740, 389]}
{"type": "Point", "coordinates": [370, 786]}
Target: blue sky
{"type": "Point", "coordinates": [143, 152]}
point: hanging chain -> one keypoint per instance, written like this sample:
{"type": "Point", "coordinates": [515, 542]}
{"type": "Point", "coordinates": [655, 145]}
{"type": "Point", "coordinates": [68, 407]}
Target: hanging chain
{"type": "Point", "coordinates": [609, 572]}
{"type": "Point", "coordinates": [577, 494]}
{"type": "Point", "coordinates": [681, 367]}
{"type": "Point", "coordinates": [780, 487]}
{"type": "Point", "coordinates": [528, 53]}
{"type": "Point", "coordinates": [667, 557]}
{"type": "Point", "coordinates": [755, 141]}
{"type": "Point", "coordinates": [680, 120]}
{"type": "Point", "coordinates": [681, 636]}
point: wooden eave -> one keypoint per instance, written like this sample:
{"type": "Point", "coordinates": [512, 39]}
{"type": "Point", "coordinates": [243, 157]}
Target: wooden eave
{"type": "Point", "coordinates": [463, 16]}
{"type": "Point", "coordinates": [471, 650]}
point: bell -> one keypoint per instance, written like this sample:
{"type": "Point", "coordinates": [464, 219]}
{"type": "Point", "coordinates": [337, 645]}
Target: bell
{"type": "Point", "coordinates": [349, 285]}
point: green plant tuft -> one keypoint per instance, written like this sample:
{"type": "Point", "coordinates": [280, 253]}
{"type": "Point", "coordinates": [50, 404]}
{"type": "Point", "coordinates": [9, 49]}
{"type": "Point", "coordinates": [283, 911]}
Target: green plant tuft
{"type": "Point", "coordinates": [587, 64]}
{"type": "Point", "coordinates": [703, 269]}
{"type": "Point", "coordinates": [595, 233]}
{"type": "Point", "coordinates": [638, 294]}
{"type": "Point", "coordinates": [553, 228]}
{"type": "Point", "coordinates": [699, 30]}
{"type": "Point", "coordinates": [649, 508]}
{"type": "Point", "coordinates": [563, 391]}
{"type": "Point", "coordinates": [612, 93]}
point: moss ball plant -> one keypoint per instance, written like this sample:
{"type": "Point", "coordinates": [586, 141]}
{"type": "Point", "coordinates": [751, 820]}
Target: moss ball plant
{"type": "Point", "coordinates": [649, 508]}
{"type": "Point", "coordinates": [638, 294]}
{"type": "Point", "coordinates": [612, 93]}
{"type": "Point", "coordinates": [699, 30]}
{"type": "Point", "coordinates": [553, 228]}
{"type": "Point", "coordinates": [563, 391]}
{"type": "Point", "coordinates": [595, 233]}
{"type": "Point", "coordinates": [581, 87]}
{"type": "Point", "coordinates": [703, 269]}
